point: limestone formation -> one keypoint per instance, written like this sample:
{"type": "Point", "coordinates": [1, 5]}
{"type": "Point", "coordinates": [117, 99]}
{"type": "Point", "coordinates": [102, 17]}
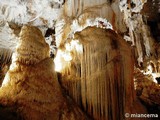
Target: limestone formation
{"type": "Point", "coordinates": [31, 83]}
{"type": "Point", "coordinates": [99, 76]}
{"type": "Point", "coordinates": [107, 54]}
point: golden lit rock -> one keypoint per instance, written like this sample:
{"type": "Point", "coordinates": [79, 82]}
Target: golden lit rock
{"type": "Point", "coordinates": [31, 82]}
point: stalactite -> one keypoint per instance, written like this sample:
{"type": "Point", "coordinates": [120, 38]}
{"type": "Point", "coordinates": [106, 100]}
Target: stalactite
{"type": "Point", "coordinates": [5, 61]}
{"type": "Point", "coordinates": [139, 32]}
{"type": "Point", "coordinates": [5, 56]}
{"type": "Point", "coordinates": [7, 38]}
{"type": "Point", "coordinates": [90, 13]}
{"type": "Point", "coordinates": [105, 81]}
{"type": "Point", "coordinates": [148, 40]}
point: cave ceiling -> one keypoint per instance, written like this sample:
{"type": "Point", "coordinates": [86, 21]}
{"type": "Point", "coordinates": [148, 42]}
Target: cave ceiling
{"type": "Point", "coordinates": [45, 13]}
{"type": "Point", "coordinates": [60, 19]}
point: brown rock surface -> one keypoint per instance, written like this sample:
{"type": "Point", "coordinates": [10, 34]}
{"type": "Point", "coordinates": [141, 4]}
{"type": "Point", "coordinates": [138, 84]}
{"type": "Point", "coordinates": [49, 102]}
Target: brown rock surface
{"type": "Point", "coordinates": [31, 83]}
{"type": "Point", "coordinates": [100, 77]}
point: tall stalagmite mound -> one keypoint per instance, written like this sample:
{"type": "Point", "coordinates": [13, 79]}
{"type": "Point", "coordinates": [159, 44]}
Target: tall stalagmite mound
{"type": "Point", "coordinates": [31, 83]}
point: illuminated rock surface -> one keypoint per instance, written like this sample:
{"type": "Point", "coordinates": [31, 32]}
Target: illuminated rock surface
{"type": "Point", "coordinates": [106, 53]}
{"type": "Point", "coordinates": [100, 77]}
{"type": "Point", "coordinates": [31, 83]}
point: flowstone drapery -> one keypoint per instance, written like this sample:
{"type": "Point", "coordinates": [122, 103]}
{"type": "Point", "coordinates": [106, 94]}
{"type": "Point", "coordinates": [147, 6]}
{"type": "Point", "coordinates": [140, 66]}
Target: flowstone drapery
{"type": "Point", "coordinates": [100, 77]}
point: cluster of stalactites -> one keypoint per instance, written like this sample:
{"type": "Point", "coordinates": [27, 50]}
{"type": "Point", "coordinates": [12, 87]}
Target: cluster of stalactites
{"type": "Point", "coordinates": [139, 32]}
{"type": "Point", "coordinates": [5, 56]}
{"type": "Point", "coordinates": [78, 15]}
{"type": "Point", "coordinates": [35, 12]}
{"type": "Point", "coordinates": [95, 77]}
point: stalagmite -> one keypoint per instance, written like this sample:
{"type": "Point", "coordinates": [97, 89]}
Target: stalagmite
{"type": "Point", "coordinates": [31, 83]}
{"type": "Point", "coordinates": [147, 89]}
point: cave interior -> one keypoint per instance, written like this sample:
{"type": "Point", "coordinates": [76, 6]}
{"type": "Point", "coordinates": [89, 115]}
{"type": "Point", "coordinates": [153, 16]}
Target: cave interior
{"type": "Point", "coordinates": [79, 60]}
